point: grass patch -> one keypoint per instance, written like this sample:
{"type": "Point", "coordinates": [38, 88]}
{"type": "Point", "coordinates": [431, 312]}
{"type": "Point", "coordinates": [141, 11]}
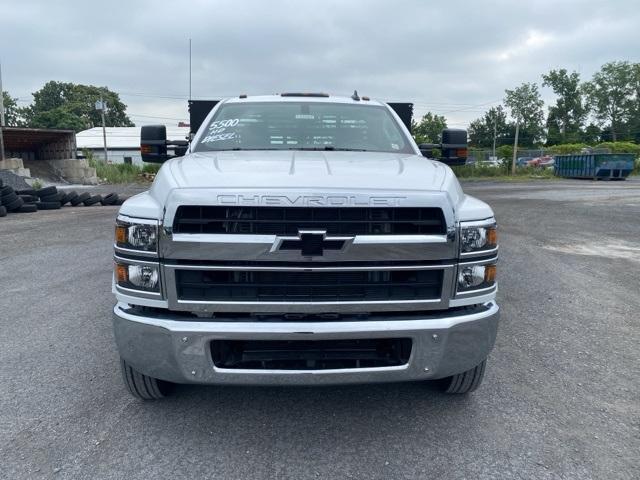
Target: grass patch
{"type": "Point", "coordinates": [119, 172]}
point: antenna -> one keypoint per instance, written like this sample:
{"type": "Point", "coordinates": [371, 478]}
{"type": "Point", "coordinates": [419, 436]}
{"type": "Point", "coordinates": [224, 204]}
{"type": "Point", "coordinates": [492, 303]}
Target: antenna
{"type": "Point", "coordinates": [355, 96]}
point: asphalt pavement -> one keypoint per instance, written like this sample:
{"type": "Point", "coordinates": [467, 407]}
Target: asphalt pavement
{"type": "Point", "coordinates": [560, 399]}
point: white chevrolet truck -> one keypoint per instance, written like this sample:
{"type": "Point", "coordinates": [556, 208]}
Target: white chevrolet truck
{"type": "Point", "coordinates": [303, 239]}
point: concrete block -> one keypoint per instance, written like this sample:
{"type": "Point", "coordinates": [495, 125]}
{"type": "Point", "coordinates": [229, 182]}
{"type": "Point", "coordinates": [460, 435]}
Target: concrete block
{"type": "Point", "coordinates": [11, 164]}
{"type": "Point", "coordinates": [75, 170]}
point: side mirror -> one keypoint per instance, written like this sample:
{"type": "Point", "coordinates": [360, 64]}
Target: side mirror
{"type": "Point", "coordinates": [453, 149]}
{"type": "Point", "coordinates": [153, 143]}
{"type": "Point", "coordinates": [454, 146]}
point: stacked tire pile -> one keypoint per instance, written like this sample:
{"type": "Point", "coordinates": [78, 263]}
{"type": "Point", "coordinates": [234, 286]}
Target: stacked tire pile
{"type": "Point", "coordinates": [49, 198]}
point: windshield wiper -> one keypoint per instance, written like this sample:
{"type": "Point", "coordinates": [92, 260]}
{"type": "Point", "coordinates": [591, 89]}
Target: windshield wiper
{"type": "Point", "coordinates": [236, 149]}
{"type": "Point", "coordinates": [330, 148]}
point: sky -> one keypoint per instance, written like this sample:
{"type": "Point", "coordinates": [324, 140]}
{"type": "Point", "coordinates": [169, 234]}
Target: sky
{"type": "Point", "coordinates": [452, 58]}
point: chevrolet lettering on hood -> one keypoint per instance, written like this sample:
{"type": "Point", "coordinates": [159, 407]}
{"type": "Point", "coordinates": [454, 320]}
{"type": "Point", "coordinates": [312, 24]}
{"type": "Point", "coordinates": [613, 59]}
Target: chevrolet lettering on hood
{"type": "Point", "coordinates": [311, 200]}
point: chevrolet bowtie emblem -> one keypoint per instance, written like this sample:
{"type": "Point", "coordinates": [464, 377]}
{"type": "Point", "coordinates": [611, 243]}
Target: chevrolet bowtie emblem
{"type": "Point", "coordinates": [311, 243]}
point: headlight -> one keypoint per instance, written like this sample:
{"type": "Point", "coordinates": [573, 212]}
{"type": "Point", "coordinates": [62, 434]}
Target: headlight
{"type": "Point", "coordinates": [137, 236]}
{"type": "Point", "coordinates": [473, 277]}
{"type": "Point", "coordinates": [138, 277]}
{"type": "Point", "coordinates": [478, 238]}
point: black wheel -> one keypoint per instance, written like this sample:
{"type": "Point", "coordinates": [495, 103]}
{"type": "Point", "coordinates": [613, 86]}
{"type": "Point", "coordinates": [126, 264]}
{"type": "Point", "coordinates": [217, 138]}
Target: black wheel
{"type": "Point", "coordinates": [5, 190]}
{"type": "Point", "coordinates": [465, 382]}
{"type": "Point", "coordinates": [64, 199]}
{"type": "Point", "coordinates": [47, 205]}
{"type": "Point", "coordinates": [142, 386]}
{"type": "Point", "coordinates": [27, 191]}
{"type": "Point", "coordinates": [3, 211]}
{"type": "Point", "coordinates": [15, 205]}
{"type": "Point", "coordinates": [92, 200]}
{"type": "Point", "coordinates": [110, 199]}
{"type": "Point", "coordinates": [56, 197]}
{"type": "Point", "coordinates": [80, 198]}
{"type": "Point", "coordinates": [71, 196]}
{"type": "Point", "coordinates": [121, 200]}
{"type": "Point", "coordinates": [27, 208]}
{"type": "Point", "coordinates": [46, 191]}
{"type": "Point", "coordinates": [28, 198]}
{"type": "Point", "coordinates": [8, 198]}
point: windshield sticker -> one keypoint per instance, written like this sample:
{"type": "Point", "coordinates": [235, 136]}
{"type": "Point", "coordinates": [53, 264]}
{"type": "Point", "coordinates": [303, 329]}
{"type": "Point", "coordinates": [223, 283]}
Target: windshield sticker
{"type": "Point", "coordinates": [232, 122]}
{"type": "Point", "coordinates": [217, 137]}
{"type": "Point", "coordinates": [217, 131]}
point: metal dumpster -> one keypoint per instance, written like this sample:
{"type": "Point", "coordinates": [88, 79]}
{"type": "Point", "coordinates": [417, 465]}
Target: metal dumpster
{"type": "Point", "coordinates": [594, 165]}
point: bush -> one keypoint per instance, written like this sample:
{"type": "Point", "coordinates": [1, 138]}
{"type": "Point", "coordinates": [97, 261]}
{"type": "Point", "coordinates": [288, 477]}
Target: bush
{"type": "Point", "coordinates": [621, 147]}
{"type": "Point", "coordinates": [566, 148]}
{"type": "Point", "coordinates": [482, 171]}
{"type": "Point", "coordinates": [119, 172]}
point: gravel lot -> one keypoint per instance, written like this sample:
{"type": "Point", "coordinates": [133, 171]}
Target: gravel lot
{"type": "Point", "coordinates": [561, 398]}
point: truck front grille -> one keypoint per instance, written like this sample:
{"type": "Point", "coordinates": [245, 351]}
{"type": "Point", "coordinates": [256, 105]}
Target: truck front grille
{"type": "Point", "coordinates": [316, 286]}
{"type": "Point", "coordinates": [310, 354]}
{"type": "Point", "coordinates": [289, 220]}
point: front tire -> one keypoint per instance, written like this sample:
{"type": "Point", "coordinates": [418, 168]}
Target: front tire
{"type": "Point", "coordinates": [142, 386]}
{"type": "Point", "coordinates": [465, 382]}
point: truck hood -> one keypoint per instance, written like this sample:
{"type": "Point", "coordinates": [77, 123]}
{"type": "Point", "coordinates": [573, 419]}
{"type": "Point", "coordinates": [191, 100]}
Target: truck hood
{"type": "Point", "coordinates": [307, 170]}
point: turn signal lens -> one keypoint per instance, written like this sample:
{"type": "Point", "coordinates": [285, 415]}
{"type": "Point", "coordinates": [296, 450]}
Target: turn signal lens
{"type": "Point", "coordinates": [492, 236]}
{"type": "Point", "coordinates": [122, 273]}
{"type": "Point", "coordinates": [490, 273]}
{"type": "Point", "coordinates": [121, 234]}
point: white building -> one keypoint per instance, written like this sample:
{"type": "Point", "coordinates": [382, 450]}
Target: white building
{"type": "Point", "coordinates": [122, 142]}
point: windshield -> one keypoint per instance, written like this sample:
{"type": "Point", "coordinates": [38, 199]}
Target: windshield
{"type": "Point", "coordinates": [303, 126]}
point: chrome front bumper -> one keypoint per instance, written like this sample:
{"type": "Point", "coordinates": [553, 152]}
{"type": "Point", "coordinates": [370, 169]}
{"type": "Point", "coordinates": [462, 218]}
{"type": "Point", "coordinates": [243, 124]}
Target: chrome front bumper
{"type": "Point", "coordinates": [176, 350]}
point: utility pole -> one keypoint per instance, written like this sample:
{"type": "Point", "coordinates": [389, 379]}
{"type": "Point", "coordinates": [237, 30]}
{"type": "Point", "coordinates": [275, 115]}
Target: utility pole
{"type": "Point", "coordinates": [102, 106]}
{"type": "Point", "coordinates": [494, 137]}
{"type": "Point", "coordinates": [1, 117]}
{"type": "Point", "coordinates": [189, 69]}
{"type": "Point", "coordinates": [515, 146]}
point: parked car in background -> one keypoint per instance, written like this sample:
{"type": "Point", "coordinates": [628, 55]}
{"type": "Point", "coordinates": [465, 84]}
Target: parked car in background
{"type": "Point", "coordinates": [492, 162]}
{"type": "Point", "coordinates": [541, 162]}
{"type": "Point", "coordinates": [547, 162]}
{"type": "Point", "coordinates": [523, 161]}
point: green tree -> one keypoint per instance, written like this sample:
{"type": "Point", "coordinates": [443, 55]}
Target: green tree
{"type": "Point", "coordinates": [634, 123]}
{"type": "Point", "coordinates": [429, 129]}
{"type": "Point", "coordinates": [58, 117]}
{"type": "Point", "coordinates": [481, 130]}
{"type": "Point", "coordinates": [69, 105]}
{"type": "Point", "coordinates": [525, 106]}
{"type": "Point", "coordinates": [610, 96]}
{"type": "Point", "coordinates": [591, 135]}
{"type": "Point", "coordinates": [566, 118]}
{"type": "Point", "coordinates": [12, 113]}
